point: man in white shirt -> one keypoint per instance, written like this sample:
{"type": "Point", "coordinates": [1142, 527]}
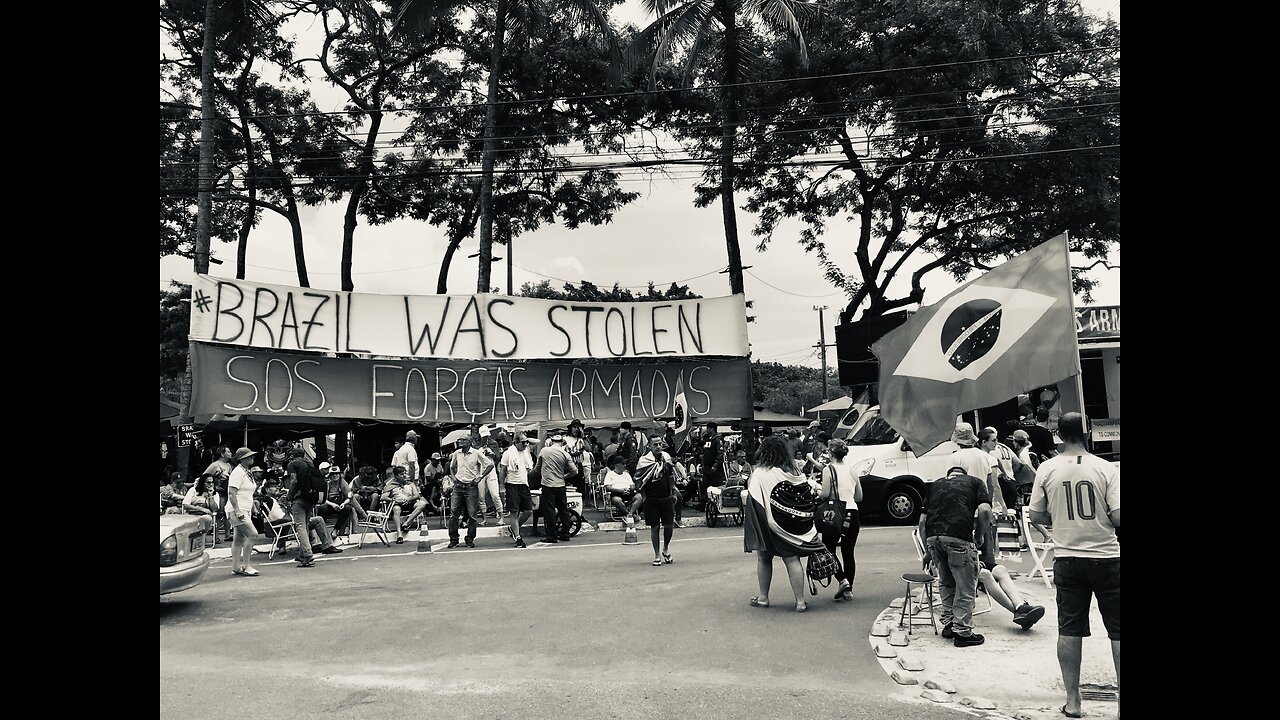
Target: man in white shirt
{"type": "Point", "coordinates": [513, 473]}
{"type": "Point", "coordinates": [407, 456]}
{"type": "Point", "coordinates": [468, 467]}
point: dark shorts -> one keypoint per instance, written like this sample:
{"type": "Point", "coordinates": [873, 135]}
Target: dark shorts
{"type": "Point", "coordinates": [626, 495]}
{"type": "Point", "coordinates": [518, 498]}
{"type": "Point", "coordinates": [660, 509]}
{"type": "Point", "coordinates": [1077, 581]}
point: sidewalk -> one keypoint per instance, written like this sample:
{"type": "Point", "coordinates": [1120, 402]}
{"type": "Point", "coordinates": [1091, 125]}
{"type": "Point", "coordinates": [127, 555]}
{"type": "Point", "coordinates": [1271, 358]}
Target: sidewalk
{"type": "Point", "coordinates": [1015, 673]}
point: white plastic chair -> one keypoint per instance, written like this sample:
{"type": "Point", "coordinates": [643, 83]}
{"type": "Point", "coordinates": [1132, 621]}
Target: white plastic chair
{"type": "Point", "coordinates": [1039, 550]}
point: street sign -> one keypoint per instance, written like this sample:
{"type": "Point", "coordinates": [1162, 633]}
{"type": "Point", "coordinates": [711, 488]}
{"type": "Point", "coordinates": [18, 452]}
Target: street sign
{"type": "Point", "coordinates": [1105, 429]}
{"type": "Point", "coordinates": [186, 435]}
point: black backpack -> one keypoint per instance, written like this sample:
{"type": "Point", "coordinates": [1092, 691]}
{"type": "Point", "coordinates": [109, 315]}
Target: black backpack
{"type": "Point", "coordinates": [311, 486]}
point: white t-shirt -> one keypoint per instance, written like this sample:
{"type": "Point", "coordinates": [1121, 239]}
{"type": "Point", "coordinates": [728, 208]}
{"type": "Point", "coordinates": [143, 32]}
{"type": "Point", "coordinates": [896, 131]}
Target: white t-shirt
{"type": "Point", "coordinates": [405, 455]}
{"type": "Point", "coordinates": [1079, 491]}
{"type": "Point", "coordinates": [616, 481]}
{"type": "Point", "coordinates": [846, 482]}
{"type": "Point", "coordinates": [241, 485]}
{"type": "Point", "coordinates": [517, 463]}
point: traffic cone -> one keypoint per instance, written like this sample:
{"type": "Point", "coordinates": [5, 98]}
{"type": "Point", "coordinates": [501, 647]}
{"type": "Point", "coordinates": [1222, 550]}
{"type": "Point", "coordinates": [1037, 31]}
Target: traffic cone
{"type": "Point", "coordinates": [424, 542]}
{"type": "Point", "coordinates": [630, 537]}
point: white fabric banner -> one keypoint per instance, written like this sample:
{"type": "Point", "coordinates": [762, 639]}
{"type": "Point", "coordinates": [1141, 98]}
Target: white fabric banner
{"type": "Point", "coordinates": [462, 327]}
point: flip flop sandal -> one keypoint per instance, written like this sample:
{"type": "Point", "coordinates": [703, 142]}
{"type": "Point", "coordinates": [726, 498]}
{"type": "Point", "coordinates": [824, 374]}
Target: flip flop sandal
{"type": "Point", "coordinates": [802, 606]}
{"type": "Point", "coordinates": [757, 602]}
{"type": "Point", "coordinates": [250, 573]}
{"type": "Point", "coordinates": [1071, 715]}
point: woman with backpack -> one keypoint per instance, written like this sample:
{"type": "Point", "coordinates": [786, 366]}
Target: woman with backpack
{"type": "Point", "coordinates": [778, 520]}
{"type": "Point", "coordinates": [840, 483]}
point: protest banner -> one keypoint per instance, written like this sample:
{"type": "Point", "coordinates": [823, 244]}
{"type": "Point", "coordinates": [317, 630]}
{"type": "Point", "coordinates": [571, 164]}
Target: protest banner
{"type": "Point", "coordinates": [265, 383]}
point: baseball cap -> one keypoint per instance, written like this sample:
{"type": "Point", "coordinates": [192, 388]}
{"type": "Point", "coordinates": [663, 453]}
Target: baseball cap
{"type": "Point", "coordinates": [324, 467]}
{"type": "Point", "coordinates": [411, 435]}
{"type": "Point", "coordinates": [436, 456]}
{"type": "Point", "coordinates": [399, 470]}
{"type": "Point", "coordinates": [813, 423]}
{"type": "Point", "coordinates": [557, 437]}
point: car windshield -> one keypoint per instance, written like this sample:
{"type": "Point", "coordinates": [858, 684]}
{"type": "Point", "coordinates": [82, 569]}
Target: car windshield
{"type": "Point", "coordinates": [875, 432]}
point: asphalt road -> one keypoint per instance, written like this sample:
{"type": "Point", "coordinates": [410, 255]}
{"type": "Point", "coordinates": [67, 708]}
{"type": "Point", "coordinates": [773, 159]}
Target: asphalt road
{"type": "Point", "coordinates": [585, 629]}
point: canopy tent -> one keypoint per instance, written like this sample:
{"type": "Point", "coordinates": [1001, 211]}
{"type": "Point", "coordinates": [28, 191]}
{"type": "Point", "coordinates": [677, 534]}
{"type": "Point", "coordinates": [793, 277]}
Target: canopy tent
{"type": "Point", "coordinates": [841, 403]}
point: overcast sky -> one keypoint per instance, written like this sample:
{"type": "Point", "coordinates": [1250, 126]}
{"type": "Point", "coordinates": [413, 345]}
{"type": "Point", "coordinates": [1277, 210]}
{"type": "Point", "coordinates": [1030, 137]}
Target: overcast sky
{"type": "Point", "coordinates": [660, 237]}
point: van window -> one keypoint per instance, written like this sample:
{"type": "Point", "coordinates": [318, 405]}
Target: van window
{"type": "Point", "coordinates": [875, 432]}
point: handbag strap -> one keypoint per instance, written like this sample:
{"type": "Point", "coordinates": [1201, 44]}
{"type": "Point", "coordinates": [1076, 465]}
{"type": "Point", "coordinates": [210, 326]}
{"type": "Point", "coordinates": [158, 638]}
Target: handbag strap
{"type": "Point", "coordinates": [835, 485]}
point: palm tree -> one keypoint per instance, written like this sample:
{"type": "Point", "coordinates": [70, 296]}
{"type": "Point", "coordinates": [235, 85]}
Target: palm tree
{"type": "Point", "coordinates": [516, 16]}
{"type": "Point", "coordinates": [693, 25]}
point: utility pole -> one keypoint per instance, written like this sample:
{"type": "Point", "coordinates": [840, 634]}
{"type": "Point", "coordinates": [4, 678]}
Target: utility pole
{"type": "Point", "coordinates": [822, 348]}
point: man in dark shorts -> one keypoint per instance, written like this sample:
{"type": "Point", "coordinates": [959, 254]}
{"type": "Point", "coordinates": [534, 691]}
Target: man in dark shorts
{"type": "Point", "coordinates": [655, 476]}
{"type": "Point", "coordinates": [946, 524]}
{"type": "Point", "coordinates": [513, 473]}
{"type": "Point", "coordinates": [1079, 494]}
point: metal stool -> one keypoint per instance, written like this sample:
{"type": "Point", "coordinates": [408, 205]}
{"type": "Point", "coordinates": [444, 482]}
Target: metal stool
{"type": "Point", "coordinates": [906, 617]}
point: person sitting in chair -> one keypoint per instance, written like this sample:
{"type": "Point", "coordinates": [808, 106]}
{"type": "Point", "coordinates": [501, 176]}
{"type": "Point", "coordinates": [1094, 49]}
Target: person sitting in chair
{"type": "Point", "coordinates": [738, 470]}
{"type": "Point", "coordinates": [622, 488]}
{"type": "Point", "coordinates": [201, 498]}
{"type": "Point", "coordinates": [172, 492]}
{"type": "Point", "coordinates": [338, 501]}
{"type": "Point", "coordinates": [367, 487]}
{"type": "Point", "coordinates": [405, 498]}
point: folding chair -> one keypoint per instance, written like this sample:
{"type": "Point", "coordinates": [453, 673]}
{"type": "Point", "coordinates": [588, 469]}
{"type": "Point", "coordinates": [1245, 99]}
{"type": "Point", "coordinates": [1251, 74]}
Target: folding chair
{"type": "Point", "coordinates": [1039, 550]}
{"type": "Point", "coordinates": [376, 520]}
{"type": "Point", "coordinates": [281, 525]}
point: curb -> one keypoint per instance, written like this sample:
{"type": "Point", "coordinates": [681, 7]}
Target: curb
{"type": "Point", "coordinates": [223, 551]}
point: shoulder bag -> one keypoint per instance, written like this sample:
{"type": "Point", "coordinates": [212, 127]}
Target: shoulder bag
{"type": "Point", "coordinates": [830, 514]}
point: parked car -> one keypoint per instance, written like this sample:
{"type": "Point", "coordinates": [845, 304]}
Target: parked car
{"type": "Point", "coordinates": [893, 478]}
{"type": "Point", "coordinates": [183, 560]}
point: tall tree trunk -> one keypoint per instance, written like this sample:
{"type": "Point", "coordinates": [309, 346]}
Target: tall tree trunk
{"type": "Point", "coordinates": [465, 228]}
{"type": "Point", "coordinates": [728, 129]}
{"type": "Point", "coordinates": [490, 145]}
{"type": "Point", "coordinates": [350, 220]}
{"type": "Point", "coordinates": [204, 205]}
{"type": "Point", "coordinates": [291, 203]}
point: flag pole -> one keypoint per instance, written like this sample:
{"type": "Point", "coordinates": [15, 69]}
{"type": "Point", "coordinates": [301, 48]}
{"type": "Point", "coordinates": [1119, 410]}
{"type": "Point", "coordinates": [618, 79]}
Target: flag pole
{"type": "Point", "coordinates": [1075, 338]}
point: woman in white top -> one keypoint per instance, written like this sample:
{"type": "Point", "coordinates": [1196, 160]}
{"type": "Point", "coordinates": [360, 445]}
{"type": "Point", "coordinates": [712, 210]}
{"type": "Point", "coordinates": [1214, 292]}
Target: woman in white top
{"type": "Point", "coordinates": [201, 498]}
{"type": "Point", "coordinates": [838, 477]}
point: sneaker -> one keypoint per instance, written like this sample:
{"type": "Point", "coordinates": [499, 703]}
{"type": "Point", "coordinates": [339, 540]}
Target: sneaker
{"type": "Point", "coordinates": [1028, 615]}
{"type": "Point", "coordinates": [453, 544]}
{"type": "Point", "coordinates": [331, 550]}
{"type": "Point", "coordinates": [968, 640]}
{"type": "Point", "coordinates": [947, 632]}
{"type": "Point", "coordinates": [520, 543]}
{"type": "Point", "coordinates": [309, 563]}
{"type": "Point", "coordinates": [471, 543]}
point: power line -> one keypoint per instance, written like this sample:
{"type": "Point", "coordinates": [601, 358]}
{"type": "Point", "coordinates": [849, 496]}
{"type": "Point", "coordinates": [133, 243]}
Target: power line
{"type": "Point", "coordinates": [701, 88]}
{"type": "Point", "coordinates": [709, 161]}
{"type": "Point", "coordinates": [644, 149]}
{"type": "Point", "coordinates": [788, 292]}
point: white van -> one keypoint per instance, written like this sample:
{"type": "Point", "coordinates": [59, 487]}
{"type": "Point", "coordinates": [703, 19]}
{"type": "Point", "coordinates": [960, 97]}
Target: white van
{"type": "Point", "coordinates": [893, 478]}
